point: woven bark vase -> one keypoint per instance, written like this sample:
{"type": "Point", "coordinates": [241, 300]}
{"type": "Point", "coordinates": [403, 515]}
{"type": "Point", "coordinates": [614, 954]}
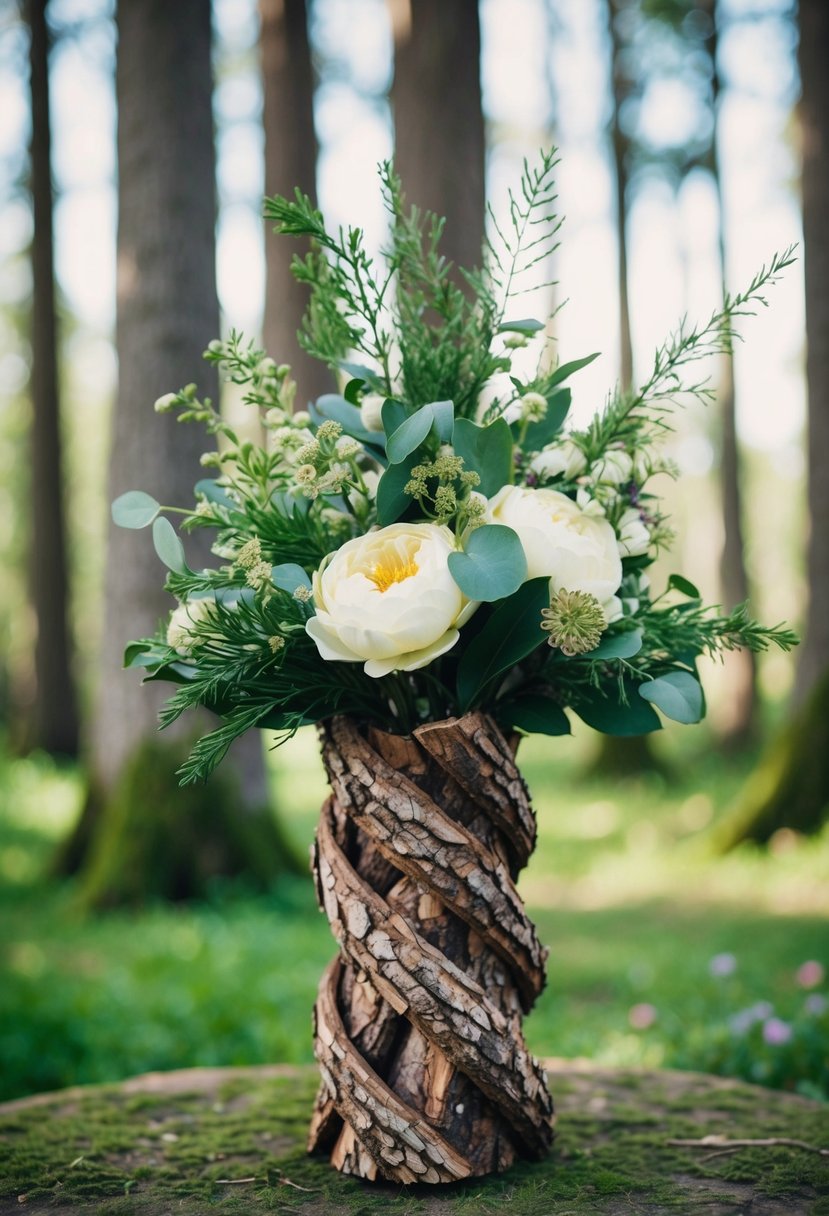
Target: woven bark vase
{"type": "Point", "coordinates": [426, 1076]}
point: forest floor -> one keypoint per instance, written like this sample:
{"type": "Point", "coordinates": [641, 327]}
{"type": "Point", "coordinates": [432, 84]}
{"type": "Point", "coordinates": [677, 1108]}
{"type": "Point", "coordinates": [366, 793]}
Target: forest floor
{"type": "Point", "coordinates": [232, 1140]}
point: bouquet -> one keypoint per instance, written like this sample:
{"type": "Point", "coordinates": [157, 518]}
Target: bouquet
{"type": "Point", "coordinates": [430, 564]}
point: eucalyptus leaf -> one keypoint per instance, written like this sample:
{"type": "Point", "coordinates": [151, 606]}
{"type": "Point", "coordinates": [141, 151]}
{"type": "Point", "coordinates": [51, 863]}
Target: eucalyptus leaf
{"type": "Point", "coordinates": [361, 372]}
{"type": "Point", "coordinates": [393, 414]}
{"type": "Point", "coordinates": [333, 406]}
{"type": "Point", "coordinates": [612, 716]}
{"type": "Point", "coordinates": [527, 325]}
{"type": "Point", "coordinates": [391, 500]}
{"type": "Point", "coordinates": [492, 566]}
{"type": "Point", "coordinates": [288, 576]}
{"type": "Point", "coordinates": [410, 434]}
{"type": "Point", "coordinates": [210, 489]}
{"type": "Point", "coordinates": [533, 713]}
{"type": "Point", "coordinates": [444, 415]}
{"type": "Point", "coordinates": [619, 646]}
{"type": "Point", "coordinates": [487, 450]}
{"type": "Point", "coordinates": [168, 546]}
{"type": "Point", "coordinates": [540, 433]}
{"type": "Point", "coordinates": [512, 632]}
{"type": "Point", "coordinates": [678, 694]}
{"type": "Point", "coordinates": [135, 509]}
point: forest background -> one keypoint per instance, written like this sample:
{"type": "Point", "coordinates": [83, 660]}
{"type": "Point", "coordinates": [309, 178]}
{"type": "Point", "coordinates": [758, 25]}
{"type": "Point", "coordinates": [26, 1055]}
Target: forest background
{"type": "Point", "coordinates": [680, 884]}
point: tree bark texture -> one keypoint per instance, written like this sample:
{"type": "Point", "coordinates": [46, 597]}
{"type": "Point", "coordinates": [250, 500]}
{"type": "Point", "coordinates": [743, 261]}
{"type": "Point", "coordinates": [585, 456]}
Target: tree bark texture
{"type": "Point", "coordinates": [426, 1076]}
{"type": "Point", "coordinates": [438, 120]}
{"type": "Point", "coordinates": [290, 162]}
{"type": "Point", "coordinates": [54, 725]}
{"type": "Point", "coordinates": [814, 121]}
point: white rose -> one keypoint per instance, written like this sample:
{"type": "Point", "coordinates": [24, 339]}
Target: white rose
{"type": "Point", "coordinates": [577, 551]}
{"type": "Point", "coordinates": [370, 411]}
{"type": "Point", "coordinates": [565, 457]}
{"type": "Point", "coordinates": [615, 468]}
{"type": "Point", "coordinates": [634, 537]}
{"type": "Point", "coordinates": [181, 633]}
{"type": "Point", "coordinates": [388, 599]}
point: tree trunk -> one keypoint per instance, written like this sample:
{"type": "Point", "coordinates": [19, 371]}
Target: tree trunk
{"type": "Point", "coordinates": [814, 121]}
{"type": "Point", "coordinates": [439, 124]}
{"type": "Point", "coordinates": [167, 312]}
{"type": "Point", "coordinates": [290, 162]}
{"type": "Point", "coordinates": [54, 725]}
{"type": "Point", "coordinates": [741, 665]}
{"type": "Point", "coordinates": [425, 1073]}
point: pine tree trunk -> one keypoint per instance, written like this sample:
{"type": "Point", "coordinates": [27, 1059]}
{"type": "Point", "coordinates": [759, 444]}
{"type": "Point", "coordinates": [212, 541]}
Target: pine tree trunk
{"type": "Point", "coordinates": [290, 163]}
{"type": "Point", "coordinates": [54, 725]}
{"type": "Point", "coordinates": [425, 1073]}
{"type": "Point", "coordinates": [438, 120]}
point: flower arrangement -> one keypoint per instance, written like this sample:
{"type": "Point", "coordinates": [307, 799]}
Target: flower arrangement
{"type": "Point", "coordinates": [434, 540]}
{"type": "Point", "coordinates": [429, 565]}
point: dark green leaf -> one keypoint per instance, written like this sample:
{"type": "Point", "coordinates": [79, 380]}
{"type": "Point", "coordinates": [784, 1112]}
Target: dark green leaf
{"type": "Point", "coordinates": [168, 546]}
{"type": "Point", "coordinates": [393, 414]}
{"type": "Point", "coordinates": [353, 389]}
{"type": "Point", "coordinates": [566, 370]}
{"type": "Point", "coordinates": [487, 450]}
{"type": "Point", "coordinates": [539, 434]}
{"type": "Point", "coordinates": [135, 509]}
{"type": "Point", "coordinates": [678, 582]}
{"type": "Point", "coordinates": [533, 713]}
{"type": "Point", "coordinates": [510, 634]}
{"type": "Point", "coordinates": [678, 694]}
{"type": "Point", "coordinates": [612, 717]}
{"type": "Point", "coordinates": [619, 646]}
{"type": "Point", "coordinates": [391, 501]}
{"type": "Point", "coordinates": [361, 372]}
{"type": "Point", "coordinates": [410, 434]}
{"type": "Point", "coordinates": [492, 566]}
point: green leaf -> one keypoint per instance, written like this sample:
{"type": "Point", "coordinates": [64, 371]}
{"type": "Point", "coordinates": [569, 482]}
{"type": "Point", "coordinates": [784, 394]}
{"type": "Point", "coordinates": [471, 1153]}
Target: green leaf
{"type": "Point", "coordinates": [487, 450]}
{"type": "Point", "coordinates": [135, 509]}
{"type": "Point", "coordinates": [335, 407]}
{"type": "Point", "coordinates": [353, 389]}
{"type": "Point", "coordinates": [677, 582]}
{"type": "Point", "coordinates": [566, 370]}
{"type": "Point", "coordinates": [619, 646]}
{"type": "Point", "coordinates": [444, 412]}
{"type": "Point", "coordinates": [168, 546]}
{"type": "Point", "coordinates": [527, 325]}
{"type": "Point", "coordinates": [678, 694]}
{"type": "Point", "coordinates": [288, 576]}
{"type": "Point", "coordinates": [361, 372]}
{"type": "Point", "coordinates": [540, 433]}
{"type": "Point", "coordinates": [391, 500]}
{"type": "Point", "coordinates": [612, 716]}
{"type": "Point", "coordinates": [210, 489]}
{"type": "Point", "coordinates": [410, 434]}
{"type": "Point", "coordinates": [492, 566]}
{"type": "Point", "coordinates": [533, 713]}
{"type": "Point", "coordinates": [393, 414]}
{"type": "Point", "coordinates": [510, 634]}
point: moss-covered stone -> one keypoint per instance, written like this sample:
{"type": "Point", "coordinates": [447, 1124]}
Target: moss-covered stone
{"type": "Point", "coordinates": [233, 1140]}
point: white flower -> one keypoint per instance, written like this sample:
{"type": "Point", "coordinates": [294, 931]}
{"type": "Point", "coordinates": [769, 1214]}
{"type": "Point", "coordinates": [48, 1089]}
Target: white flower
{"type": "Point", "coordinates": [370, 411]}
{"type": "Point", "coordinates": [388, 599]}
{"type": "Point", "coordinates": [586, 502]}
{"type": "Point", "coordinates": [634, 537]}
{"type": "Point", "coordinates": [577, 551]}
{"type": "Point", "coordinates": [346, 446]}
{"type": "Point", "coordinates": [181, 632]}
{"type": "Point", "coordinates": [615, 468]}
{"type": "Point", "coordinates": [565, 457]}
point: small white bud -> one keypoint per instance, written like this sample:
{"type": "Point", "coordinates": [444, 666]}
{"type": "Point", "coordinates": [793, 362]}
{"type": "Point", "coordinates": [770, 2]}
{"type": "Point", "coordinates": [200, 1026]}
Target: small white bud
{"type": "Point", "coordinates": [164, 404]}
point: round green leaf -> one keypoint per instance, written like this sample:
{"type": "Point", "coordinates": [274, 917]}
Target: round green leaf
{"type": "Point", "coordinates": [168, 546]}
{"type": "Point", "coordinates": [410, 434]}
{"type": "Point", "coordinates": [289, 576]}
{"type": "Point", "coordinates": [135, 509]}
{"type": "Point", "coordinates": [487, 451]}
{"type": "Point", "coordinates": [612, 716]}
{"type": "Point", "coordinates": [535, 714]}
{"type": "Point", "coordinates": [492, 566]}
{"type": "Point", "coordinates": [678, 694]}
{"type": "Point", "coordinates": [621, 646]}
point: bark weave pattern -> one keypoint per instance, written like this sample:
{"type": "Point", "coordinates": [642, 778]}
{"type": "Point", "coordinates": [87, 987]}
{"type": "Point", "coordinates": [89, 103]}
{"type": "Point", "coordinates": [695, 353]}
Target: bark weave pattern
{"type": "Point", "coordinates": [426, 1076]}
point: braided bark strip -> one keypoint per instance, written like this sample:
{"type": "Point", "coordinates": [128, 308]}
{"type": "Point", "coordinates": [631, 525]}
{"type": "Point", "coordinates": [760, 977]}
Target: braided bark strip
{"type": "Point", "coordinates": [413, 833]}
{"type": "Point", "coordinates": [425, 1072]}
{"type": "Point", "coordinates": [444, 1004]}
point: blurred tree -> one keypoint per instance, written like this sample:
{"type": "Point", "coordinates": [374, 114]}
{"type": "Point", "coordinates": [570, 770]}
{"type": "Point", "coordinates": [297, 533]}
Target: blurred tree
{"type": "Point", "coordinates": [54, 713]}
{"type": "Point", "coordinates": [290, 162]}
{"type": "Point", "coordinates": [167, 309]}
{"type": "Point", "coordinates": [438, 119]}
{"type": "Point", "coordinates": [791, 786]}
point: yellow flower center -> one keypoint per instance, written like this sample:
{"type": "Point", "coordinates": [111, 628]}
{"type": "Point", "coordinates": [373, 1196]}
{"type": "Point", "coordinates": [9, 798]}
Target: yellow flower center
{"type": "Point", "coordinates": [392, 568]}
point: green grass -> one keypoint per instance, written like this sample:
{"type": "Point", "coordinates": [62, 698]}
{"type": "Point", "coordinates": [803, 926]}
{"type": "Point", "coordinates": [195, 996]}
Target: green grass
{"type": "Point", "coordinates": [625, 896]}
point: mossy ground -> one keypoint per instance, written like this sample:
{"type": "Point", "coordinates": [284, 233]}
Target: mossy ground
{"type": "Point", "coordinates": [231, 1140]}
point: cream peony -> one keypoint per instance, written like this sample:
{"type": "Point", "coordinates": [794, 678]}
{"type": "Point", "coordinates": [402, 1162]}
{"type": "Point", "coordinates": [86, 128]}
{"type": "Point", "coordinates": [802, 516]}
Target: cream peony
{"type": "Point", "coordinates": [181, 631]}
{"type": "Point", "coordinates": [388, 599]}
{"type": "Point", "coordinates": [577, 551]}
{"type": "Point", "coordinates": [565, 457]}
{"type": "Point", "coordinates": [634, 537]}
